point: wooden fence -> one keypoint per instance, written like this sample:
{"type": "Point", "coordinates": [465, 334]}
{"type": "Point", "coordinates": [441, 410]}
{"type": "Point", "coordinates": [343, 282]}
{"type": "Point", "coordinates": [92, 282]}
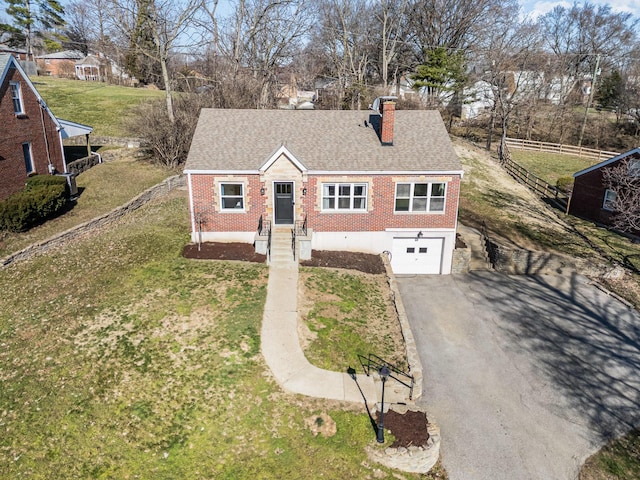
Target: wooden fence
{"type": "Point", "coordinates": [590, 153]}
{"type": "Point", "coordinates": [538, 185]}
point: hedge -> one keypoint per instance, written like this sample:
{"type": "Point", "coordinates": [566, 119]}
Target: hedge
{"type": "Point", "coordinates": [42, 197]}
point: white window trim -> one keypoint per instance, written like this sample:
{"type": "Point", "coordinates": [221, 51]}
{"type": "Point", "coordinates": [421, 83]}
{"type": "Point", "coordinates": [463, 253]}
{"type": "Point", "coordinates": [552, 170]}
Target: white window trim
{"type": "Point", "coordinates": [18, 89]}
{"type": "Point", "coordinates": [429, 197]}
{"type": "Point", "coordinates": [607, 202]}
{"type": "Point", "coordinates": [33, 167]}
{"type": "Point", "coordinates": [351, 197]}
{"type": "Point", "coordinates": [221, 196]}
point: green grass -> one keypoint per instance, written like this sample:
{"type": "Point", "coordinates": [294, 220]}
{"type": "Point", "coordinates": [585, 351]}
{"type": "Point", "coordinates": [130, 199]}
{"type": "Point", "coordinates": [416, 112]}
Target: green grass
{"type": "Point", "coordinates": [620, 460]}
{"type": "Point", "coordinates": [550, 166]}
{"type": "Point", "coordinates": [349, 316]}
{"type": "Point", "coordinates": [99, 105]}
{"type": "Point", "coordinates": [99, 195]}
{"type": "Point", "coordinates": [121, 359]}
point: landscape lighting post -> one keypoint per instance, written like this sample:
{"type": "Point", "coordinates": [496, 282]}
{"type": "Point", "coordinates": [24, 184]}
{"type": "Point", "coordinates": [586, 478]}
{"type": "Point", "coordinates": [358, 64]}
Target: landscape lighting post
{"type": "Point", "coordinates": [384, 373]}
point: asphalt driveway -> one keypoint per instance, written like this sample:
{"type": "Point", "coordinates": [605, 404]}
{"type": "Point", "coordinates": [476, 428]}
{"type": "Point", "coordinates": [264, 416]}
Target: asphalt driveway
{"type": "Point", "coordinates": [527, 376]}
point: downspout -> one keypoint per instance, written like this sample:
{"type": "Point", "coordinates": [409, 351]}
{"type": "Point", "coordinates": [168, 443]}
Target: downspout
{"type": "Point", "coordinates": [191, 209]}
{"type": "Point", "coordinates": [50, 166]}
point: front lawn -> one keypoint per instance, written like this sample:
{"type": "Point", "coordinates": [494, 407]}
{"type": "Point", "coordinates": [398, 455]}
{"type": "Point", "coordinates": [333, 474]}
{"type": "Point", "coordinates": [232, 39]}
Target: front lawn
{"type": "Point", "coordinates": [121, 359]}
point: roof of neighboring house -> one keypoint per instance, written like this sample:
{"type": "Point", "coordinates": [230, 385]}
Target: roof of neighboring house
{"type": "Point", "coordinates": [91, 60]}
{"type": "Point", "coordinates": [6, 48]}
{"type": "Point", "coordinates": [321, 140]}
{"type": "Point", "coordinates": [65, 55]}
{"type": "Point", "coordinates": [635, 151]}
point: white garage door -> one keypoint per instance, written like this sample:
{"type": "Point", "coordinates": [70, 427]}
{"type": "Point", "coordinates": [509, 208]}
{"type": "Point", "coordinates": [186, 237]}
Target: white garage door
{"type": "Point", "coordinates": [417, 255]}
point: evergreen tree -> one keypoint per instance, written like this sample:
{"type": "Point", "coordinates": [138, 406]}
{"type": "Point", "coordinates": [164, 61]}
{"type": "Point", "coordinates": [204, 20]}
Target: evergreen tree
{"type": "Point", "coordinates": [31, 17]}
{"type": "Point", "coordinates": [443, 72]}
{"type": "Point", "coordinates": [141, 59]}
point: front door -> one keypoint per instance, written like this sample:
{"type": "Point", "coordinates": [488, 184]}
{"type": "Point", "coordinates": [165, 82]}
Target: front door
{"type": "Point", "coordinates": [284, 202]}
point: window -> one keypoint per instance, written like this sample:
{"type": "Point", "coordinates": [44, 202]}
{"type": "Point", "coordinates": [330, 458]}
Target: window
{"type": "Point", "coordinates": [16, 97]}
{"type": "Point", "coordinates": [344, 196]}
{"type": "Point", "coordinates": [232, 196]}
{"type": "Point", "coordinates": [28, 158]}
{"type": "Point", "coordinates": [634, 168]}
{"type": "Point", "coordinates": [610, 198]}
{"type": "Point", "coordinates": [420, 197]}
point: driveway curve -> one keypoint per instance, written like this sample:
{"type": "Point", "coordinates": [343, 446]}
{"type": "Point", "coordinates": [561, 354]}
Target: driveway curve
{"type": "Point", "coordinates": [527, 376]}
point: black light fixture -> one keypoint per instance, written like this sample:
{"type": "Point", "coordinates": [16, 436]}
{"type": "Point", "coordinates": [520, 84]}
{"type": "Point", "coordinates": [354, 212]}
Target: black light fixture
{"type": "Point", "coordinates": [419, 235]}
{"type": "Point", "coordinates": [384, 373]}
{"type": "Point", "coordinates": [262, 191]}
{"type": "Point", "coordinates": [304, 191]}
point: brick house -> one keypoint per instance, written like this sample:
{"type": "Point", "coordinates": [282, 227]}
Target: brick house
{"type": "Point", "coordinates": [31, 138]}
{"type": "Point", "coordinates": [345, 180]}
{"type": "Point", "coordinates": [590, 198]}
{"type": "Point", "coordinates": [59, 64]}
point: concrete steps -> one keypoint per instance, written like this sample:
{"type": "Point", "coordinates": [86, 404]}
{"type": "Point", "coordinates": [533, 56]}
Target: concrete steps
{"type": "Point", "coordinates": [281, 252]}
{"type": "Point", "coordinates": [479, 256]}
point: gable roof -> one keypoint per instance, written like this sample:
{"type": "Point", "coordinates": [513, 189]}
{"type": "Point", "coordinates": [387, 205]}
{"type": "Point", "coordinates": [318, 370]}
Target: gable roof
{"type": "Point", "coordinates": [66, 128]}
{"type": "Point", "coordinates": [635, 151]}
{"type": "Point", "coordinates": [64, 55]}
{"type": "Point", "coordinates": [321, 140]}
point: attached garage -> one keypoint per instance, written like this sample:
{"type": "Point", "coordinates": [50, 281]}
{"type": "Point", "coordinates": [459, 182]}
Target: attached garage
{"type": "Point", "coordinates": [413, 255]}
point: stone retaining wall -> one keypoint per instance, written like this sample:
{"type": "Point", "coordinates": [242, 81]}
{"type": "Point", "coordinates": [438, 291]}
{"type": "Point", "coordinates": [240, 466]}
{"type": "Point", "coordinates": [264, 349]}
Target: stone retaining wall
{"type": "Point", "coordinates": [83, 164]}
{"type": "Point", "coordinates": [461, 260]}
{"type": "Point", "coordinates": [413, 359]}
{"type": "Point", "coordinates": [158, 190]}
{"type": "Point", "coordinates": [130, 142]}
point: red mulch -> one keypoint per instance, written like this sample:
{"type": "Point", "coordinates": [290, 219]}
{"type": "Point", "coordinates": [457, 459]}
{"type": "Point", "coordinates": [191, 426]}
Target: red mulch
{"type": "Point", "coordinates": [362, 262]}
{"type": "Point", "coordinates": [408, 429]}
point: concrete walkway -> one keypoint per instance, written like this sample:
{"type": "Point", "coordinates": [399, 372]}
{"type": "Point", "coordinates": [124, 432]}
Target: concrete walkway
{"type": "Point", "coordinates": [281, 345]}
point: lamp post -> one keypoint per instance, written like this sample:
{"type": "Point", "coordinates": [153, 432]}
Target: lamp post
{"type": "Point", "coordinates": [384, 373]}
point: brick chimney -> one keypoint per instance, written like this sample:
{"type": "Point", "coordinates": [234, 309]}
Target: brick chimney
{"type": "Point", "coordinates": [388, 114]}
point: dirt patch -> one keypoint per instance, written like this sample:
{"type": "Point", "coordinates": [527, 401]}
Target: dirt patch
{"type": "Point", "coordinates": [363, 262]}
{"type": "Point", "coordinates": [223, 251]}
{"type": "Point", "coordinates": [409, 429]}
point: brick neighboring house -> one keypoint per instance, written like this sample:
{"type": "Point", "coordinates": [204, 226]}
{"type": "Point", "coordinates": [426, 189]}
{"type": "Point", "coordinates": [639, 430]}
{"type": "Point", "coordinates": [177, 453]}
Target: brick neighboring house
{"type": "Point", "coordinates": [31, 138]}
{"type": "Point", "coordinates": [590, 198]}
{"type": "Point", "coordinates": [59, 64]}
{"type": "Point", "coordinates": [359, 181]}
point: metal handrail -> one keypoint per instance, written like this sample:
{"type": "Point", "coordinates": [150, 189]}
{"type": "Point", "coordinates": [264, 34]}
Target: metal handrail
{"type": "Point", "coordinates": [301, 227]}
{"type": "Point", "coordinates": [293, 242]}
{"type": "Point", "coordinates": [405, 379]}
{"type": "Point", "coordinates": [269, 246]}
{"type": "Point", "coordinates": [264, 227]}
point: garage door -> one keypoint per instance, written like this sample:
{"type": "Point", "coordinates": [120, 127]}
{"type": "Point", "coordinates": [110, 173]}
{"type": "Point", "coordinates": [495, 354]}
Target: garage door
{"type": "Point", "coordinates": [417, 255]}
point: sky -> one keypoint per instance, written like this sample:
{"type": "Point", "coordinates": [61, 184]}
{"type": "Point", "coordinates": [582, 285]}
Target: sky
{"type": "Point", "coordinates": [535, 8]}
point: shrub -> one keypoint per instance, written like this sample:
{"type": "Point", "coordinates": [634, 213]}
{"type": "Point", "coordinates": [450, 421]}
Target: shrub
{"type": "Point", "coordinates": [565, 184]}
{"type": "Point", "coordinates": [42, 197]}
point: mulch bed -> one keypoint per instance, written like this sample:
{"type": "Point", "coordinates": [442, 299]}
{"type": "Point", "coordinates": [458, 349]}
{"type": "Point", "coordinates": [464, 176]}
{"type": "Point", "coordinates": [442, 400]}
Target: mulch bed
{"type": "Point", "coordinates": [408, 429]}
{"type": "Point", "coordinates": [362, 262]}
{"type": "Point", "coordinates": [223, 251]}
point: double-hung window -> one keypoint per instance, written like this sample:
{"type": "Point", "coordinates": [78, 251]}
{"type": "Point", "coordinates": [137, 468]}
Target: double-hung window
{"type": "Point", "coordinates": [634, 168]}
{"type": "Point", "coordinates": [28, 158]}
{"type": "Point", "coordinates": [420, 197]}
{"type": "Point", "coordinates": [609, 202]}
{"type": "Point", "coordinates": [232, 196]}
{"type": "Point", "coordinates": [344, 196]}
{"type": "Point", "coordinates": [16, 97]}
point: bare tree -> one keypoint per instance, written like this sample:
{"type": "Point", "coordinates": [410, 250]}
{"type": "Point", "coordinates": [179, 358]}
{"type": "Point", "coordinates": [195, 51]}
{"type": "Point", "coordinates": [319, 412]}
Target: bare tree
{"type": "Point", "coordinates": [153, 28]}
{"type": "Point", "coordinates": [624, 181]}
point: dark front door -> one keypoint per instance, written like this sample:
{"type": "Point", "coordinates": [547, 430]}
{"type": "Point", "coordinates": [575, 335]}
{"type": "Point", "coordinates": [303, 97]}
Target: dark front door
{"type": "Point", "coordinates": [284, 202]}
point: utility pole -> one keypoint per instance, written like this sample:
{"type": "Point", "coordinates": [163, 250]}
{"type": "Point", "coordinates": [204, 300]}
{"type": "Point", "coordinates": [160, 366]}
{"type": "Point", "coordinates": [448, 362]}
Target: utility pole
{"type": "Point", "coordinates": [586, 112]}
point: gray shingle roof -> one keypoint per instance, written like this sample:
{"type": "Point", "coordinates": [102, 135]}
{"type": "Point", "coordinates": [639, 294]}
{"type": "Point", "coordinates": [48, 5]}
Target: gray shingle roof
{"type": "Point", "coordinates": [322, 140]}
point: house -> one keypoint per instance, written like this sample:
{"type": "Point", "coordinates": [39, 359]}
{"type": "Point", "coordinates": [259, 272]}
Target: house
{"type": "Point", "coordinates": [31, 138]}
{"type": "Point", "coordinates": [353, 180]}
{"type": "Point", "coordinates": [59, 64]}
{"type": "Point", "coordinates": [591, 199]}
{"type": "Point", "coordinates": [92, 68]}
